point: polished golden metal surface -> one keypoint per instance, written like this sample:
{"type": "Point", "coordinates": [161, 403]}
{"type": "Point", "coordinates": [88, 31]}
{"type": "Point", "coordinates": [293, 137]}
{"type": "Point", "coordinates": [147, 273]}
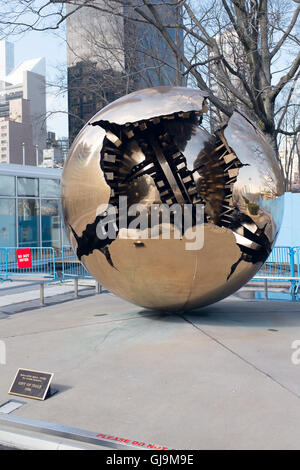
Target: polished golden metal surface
{"type": "Point", "coordinates": [148, 147]}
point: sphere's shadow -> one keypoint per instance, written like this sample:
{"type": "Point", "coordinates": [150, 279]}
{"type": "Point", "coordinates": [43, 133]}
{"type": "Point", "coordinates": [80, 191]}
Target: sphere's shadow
{"type": "Point", "coordinates": [252, 314]}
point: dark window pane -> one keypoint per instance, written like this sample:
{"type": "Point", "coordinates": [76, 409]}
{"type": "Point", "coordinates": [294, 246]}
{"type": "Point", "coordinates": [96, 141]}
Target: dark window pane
{"type": "Point", "coordinates": [28, 223]}
{"type": "Point", "coordinates": [7, 222]}
{"type": "Point", "coordinates": [50, 223]}
{"type": "Point", "coordinates": [28, 187]}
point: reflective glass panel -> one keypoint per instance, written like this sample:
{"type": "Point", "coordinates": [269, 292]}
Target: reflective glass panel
{"type": "Point", "coordinates": [49, 188]}
{"type": "Point", "coordinates": [28, 187]}
{"type": "Point", "coordinates": [7, 222]}
{"type": "Point", "coordinates": [65, 240]}
{"type": "Point", "coordinates": [50, 223]}
{"type": "Point", "coordinates": [28, 223]}
{"type": "Point", "coordinates": [7, 185]}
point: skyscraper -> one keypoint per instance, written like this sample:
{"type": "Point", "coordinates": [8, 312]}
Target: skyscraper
{"type": "Point", "coordinates": [6, 58]}
{"type": "Point", "coordinates": [111, 55]}
{"type": "Point", "coordinates": [230, 47]}
{"type": "Point", "coordinates": [22, 109]}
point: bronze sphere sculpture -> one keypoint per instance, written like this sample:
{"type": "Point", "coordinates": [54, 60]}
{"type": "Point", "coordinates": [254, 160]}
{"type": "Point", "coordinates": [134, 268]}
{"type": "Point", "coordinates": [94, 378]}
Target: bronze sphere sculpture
{"type": "Point", "coordinates": [147, 151]}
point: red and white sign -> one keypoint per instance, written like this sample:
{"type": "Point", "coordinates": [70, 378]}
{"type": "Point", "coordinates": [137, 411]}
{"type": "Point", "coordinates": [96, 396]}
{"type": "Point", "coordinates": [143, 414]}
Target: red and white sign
{"type": "Point", "coordinates": [24, 258]}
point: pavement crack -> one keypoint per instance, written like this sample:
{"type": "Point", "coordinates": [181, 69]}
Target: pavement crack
{"type": "Point", "coordinates": [246, 361]}
{"type": "Point", "coordinates": [107, 335]}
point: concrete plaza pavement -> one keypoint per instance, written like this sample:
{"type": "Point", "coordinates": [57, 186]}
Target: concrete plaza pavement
{"type": "Point", "coordinates": [220, 377]}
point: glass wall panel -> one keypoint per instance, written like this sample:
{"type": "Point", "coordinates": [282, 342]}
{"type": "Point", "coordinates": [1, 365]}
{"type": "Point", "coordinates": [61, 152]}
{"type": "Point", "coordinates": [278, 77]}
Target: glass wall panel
{"type": "Point", "coordinates": [28, 223]}
{"type": "Point", "coordinates": [7, 185]}
{"type": "Point", "coordinates": [50, 223]}
{"type": "Point", "coordinates": [65, 240]}
{"type": "Point", "coordinates": [28, 187]}
{"type": "Point", "coordinates": [49, 188]}
{"type": "Point", "coordinates": [7, 222]}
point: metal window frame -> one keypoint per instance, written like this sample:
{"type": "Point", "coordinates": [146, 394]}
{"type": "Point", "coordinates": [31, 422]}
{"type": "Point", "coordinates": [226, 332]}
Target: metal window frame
{"type": "Point", "coordinates": [16, 197]}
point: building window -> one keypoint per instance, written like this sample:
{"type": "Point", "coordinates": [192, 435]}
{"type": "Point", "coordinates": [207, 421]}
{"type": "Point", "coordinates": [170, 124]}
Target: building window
{"type": "Point", "coordinates": [7, 222]}
{"type": "Point", "coordinates": [49, 188]}
{"type": "Point", "coordinates": [7, 185]}
{"type": "Point", "coordinates": [28, 187]}
{"type": "Point", "coordinates": [28, 223]}
{"type": "Point", "coordinates": [50, 223]}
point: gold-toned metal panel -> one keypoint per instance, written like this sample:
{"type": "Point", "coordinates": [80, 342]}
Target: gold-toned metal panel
{"type": "Point", "coordinates": [147, 149]}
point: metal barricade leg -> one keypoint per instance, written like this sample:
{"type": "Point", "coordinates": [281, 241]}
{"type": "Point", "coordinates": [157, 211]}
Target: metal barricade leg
{"type": "Point", "coordinates": [292, 268]}
{"type": "Point", "coordinates": [98, 288]}
{"type": "Point", "coordinates": [266, 288]}
{"type": "Point", "coordinates": [76, 288]}
{"type": "Point", "coordinates": [42, 294]}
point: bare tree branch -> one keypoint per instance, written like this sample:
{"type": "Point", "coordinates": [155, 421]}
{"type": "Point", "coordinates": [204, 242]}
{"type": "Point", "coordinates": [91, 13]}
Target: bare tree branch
{"type": "Point", "coordinates": [287, 33]}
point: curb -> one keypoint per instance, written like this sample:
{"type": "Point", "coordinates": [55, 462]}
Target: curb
{"type": "Point", "coordinates": [23, 442]}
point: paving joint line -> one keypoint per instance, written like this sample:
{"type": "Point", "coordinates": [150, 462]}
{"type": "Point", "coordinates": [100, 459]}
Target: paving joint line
{"type": "Point", "coordinates": [257, 369]}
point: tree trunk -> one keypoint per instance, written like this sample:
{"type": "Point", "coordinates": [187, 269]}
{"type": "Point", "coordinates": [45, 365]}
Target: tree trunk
{"type": "Point", "coordinates": [272, 140]}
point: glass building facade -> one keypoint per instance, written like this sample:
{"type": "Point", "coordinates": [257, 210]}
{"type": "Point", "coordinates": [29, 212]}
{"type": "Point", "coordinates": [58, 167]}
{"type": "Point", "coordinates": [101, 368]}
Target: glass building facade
{"type": "Point", "coordinates": [30, 207]}
{"type": "Point", "coordinates": [130, 56]}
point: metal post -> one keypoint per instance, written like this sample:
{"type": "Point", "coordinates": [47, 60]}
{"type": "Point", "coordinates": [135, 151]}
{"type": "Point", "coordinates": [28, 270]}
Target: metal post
{"type": "Point", "coordinates": [63, 264]}
{"type": "Point", "coordinates": [54, 266]}
{"type": "Point", "coordinates": [76, 288]}
{"type": "Point", "coordinates": [6, 264]}
{"type": "Point", "coordinates": [42, 294]}
{"type": "Point", "coordinates": [23, 150]}
{"type": "Point", "coordinates": [266, 288]}
{"type": "Point", "coordinates": [37, 155]}
{"type": "Point", "coordinates": [292, 269]}
{"type": "Point", "coordinates": [98, 288]}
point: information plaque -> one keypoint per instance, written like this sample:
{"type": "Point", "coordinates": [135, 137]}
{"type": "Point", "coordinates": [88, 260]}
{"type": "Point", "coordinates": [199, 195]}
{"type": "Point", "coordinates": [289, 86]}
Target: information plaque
{"type": "Point", "coordinates": [32, 384]}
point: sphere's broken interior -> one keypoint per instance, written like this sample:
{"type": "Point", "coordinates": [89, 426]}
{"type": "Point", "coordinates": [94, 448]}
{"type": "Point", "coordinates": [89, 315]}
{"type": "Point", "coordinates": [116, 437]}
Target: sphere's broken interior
{"type": "Point", "coordinates": [158, 148]}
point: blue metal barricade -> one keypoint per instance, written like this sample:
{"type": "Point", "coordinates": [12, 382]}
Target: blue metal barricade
{"type": "Point", "coordinates": [3, 264]}
{"type": "Point", "coordinates": [281, 266]}
{"type": "Point", "coordinates": [36, 262]}
{"type": "Point", "coordinates": [71, 266]}
{"type": "Point", "coordinates": [278, 263]}
{"type": "Point", "coordinates": [297, 264]}
{"type": "Point", "coordinates": [297, 258]}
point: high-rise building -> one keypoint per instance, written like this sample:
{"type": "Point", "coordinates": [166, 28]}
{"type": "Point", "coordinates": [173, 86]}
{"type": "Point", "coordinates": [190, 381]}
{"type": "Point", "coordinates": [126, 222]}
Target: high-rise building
{"type": "Point", "coordinates": [55, 153]}
{"type": "Point", "coordinates": [52, 158]}
{"type": "Point", "coordinates": [22, 111]}
{"type": "Point", "coordinates": [63, 143]}
{"type": "Point", "coordinates": [110, 55]}
{"type": "Point", "coordinates": [222, 83]}
{"type": "Point", "coordinates": [6, 58]}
